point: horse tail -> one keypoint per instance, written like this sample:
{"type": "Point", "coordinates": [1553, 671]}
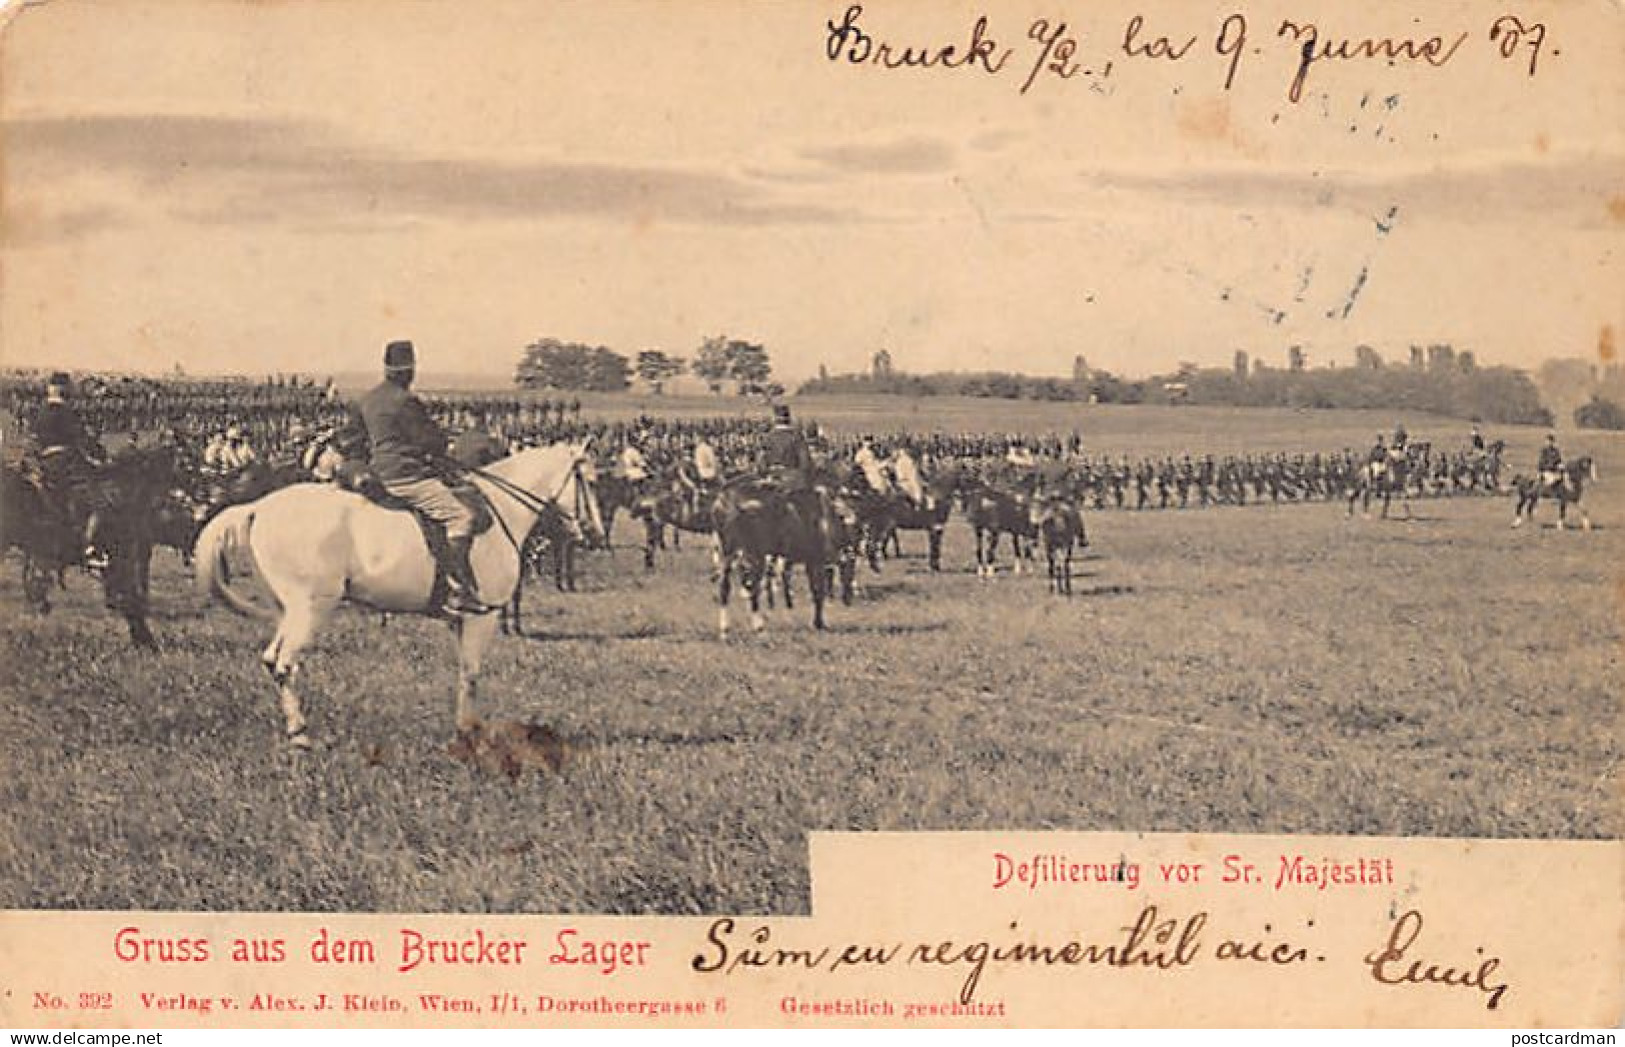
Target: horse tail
{"type": "Point", "coordinates": [228, 530]}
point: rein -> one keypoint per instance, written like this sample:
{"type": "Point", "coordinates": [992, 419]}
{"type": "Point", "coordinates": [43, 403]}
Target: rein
{"type": "Point", "coordinates": [536, 504]}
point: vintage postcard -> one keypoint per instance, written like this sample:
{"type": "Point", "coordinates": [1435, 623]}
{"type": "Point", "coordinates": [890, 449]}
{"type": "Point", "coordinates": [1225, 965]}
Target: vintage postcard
{"type": "Point", "coordinates": [811, 514]}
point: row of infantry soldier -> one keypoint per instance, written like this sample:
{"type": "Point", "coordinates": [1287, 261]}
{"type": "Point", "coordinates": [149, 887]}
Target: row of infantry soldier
{"type": "Point", "coordinates": [408, 440]}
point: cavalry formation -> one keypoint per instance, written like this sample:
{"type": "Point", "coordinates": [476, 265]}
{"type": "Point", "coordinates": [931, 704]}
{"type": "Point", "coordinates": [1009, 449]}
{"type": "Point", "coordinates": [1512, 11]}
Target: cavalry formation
{"type": "Point", "coordinates": [272, 474]}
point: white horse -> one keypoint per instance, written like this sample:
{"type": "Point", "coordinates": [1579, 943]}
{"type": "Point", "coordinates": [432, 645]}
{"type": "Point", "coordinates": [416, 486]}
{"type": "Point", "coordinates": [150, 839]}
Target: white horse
{"type": "Point", "coordinates": [316, 545]}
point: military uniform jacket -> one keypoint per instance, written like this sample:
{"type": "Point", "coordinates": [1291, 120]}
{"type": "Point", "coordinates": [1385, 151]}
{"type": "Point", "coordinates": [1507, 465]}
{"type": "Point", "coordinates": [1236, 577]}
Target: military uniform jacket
{"type": "Point", "coordinates": [406, 443]}
{"type": "Point", "coordinates": [57, 426]}
{"type": "Point", "coordinates": [786, 450]}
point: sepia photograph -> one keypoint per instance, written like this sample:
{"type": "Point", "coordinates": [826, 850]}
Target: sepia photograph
{"type": "Point", "coordinates": [553, 458]}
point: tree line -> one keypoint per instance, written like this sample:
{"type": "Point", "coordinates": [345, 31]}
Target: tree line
{"type": "Point", "coordinates": [720, 361]}
{"type": "Point", "coordinates": [1438, 380]}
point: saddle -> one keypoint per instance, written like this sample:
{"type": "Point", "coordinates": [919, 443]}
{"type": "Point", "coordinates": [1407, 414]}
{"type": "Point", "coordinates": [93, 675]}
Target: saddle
{"type": "Point", "coordinates": [363, 481]}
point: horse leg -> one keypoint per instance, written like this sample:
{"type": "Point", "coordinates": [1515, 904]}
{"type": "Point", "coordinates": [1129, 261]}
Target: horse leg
{"type": "Point", "coordinates": [651, 539]}
{"type": "Point", "coordinates": [817, 582]}
{"type": "Point", "coordinates": [934, 554]}
{"type": "Point", "coordinates": [756, 575]}
{"type": "Point", "coordinates": [1066, 568]}
{"type": "Point", "coordinates": [135, 615]}
{"type": "Point", "coordinates": [511, 621]}
{"type": "Point", "coordinates": [725, 570]}
{"type": "Point", "coordinates": [300, 621]}
{"type": "Point", "coordinates": [785, 572]}
{"type": "Point", "coordinates": [474, 635]}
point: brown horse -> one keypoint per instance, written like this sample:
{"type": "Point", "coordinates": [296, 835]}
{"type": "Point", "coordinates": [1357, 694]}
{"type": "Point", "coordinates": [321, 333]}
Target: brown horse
{"type": "Point", "coordinates": [669, 503]}
{"type": "Point", "coordinates": [1530, 489]}
{"type": "Point", "coordinates": [883, 516]}
{"type": "Point", "coordinates": [993, 511]}
{"type": "Point", "coordinates": [1060, 524]}
{"type": "Point", "coordinates": [126, 494]}
{"type": "Point", "coordinates": [760, 525]}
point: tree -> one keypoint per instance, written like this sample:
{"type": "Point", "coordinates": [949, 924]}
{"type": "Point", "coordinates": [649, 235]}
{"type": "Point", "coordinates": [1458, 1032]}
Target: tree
{"type": "Point", "coordinates": [1367, 358]}
{"type": "Point", "coordinates": [881, 366]}
{"type": "Point", "coordinates": [721, 358]}
{"type": "Point", "coordinates": [1295, 358]}
{"type": "Point", "coordinates": [711, 362]}
{"type": "Point", "coordinates": [608, 371]}
{"type": "Point", "coordinates": [656, 368]}
{"type": "Point", "coordinates": [749, 365]}
{"type": "Point", "coordinates": [1239, 365]}
{"type": "Point", "coordinates": [1600, 413]}
{"type": "Point", "coordinates": [549, 363]}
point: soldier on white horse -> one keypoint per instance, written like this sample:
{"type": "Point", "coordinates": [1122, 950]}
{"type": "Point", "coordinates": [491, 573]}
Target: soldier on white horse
{"type": "Point", "coordinates": [317, 545]}
{"type": "Point", "coordinates": [408, 456]}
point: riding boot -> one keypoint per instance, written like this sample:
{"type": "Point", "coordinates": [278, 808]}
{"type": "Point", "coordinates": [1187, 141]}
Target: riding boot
{"type": "Point", "coordinates": [462, 594]}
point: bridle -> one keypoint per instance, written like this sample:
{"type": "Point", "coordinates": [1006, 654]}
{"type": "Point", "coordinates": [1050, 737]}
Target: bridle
{"type": "Point", "coordinates": [538, 504]}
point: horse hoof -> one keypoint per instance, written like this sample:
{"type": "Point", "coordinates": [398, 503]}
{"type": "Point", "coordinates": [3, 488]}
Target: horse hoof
{"type": "Point", "coordinates": [300, 743]}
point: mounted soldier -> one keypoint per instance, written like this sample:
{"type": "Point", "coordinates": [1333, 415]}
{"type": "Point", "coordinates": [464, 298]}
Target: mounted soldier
{"type": "Point", "coordinates": [1550, 465]}
{"type": "Point", "coordinates": [408, 453]}
{"type": "Point", "coordinates": [632, 464]}
{"type": "Point", "coordinates": [907, 471]}
{"type": "Point", "coordinates": [789, 465]}
{"type": "Point", "coordinates": [1377, 459]}
{"type": "Point", "coordinates": [64, 455]}
{"type": "Point", "coordinates": [868, 461]}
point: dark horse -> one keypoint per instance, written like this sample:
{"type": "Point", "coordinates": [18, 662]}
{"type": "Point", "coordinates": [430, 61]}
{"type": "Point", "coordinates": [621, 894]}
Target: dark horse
{"type": "Point", "coordinates": [615, 492]}
{"type": "Point", "coordinates": [760, 526]}
{"type": "Point", "coordinates": [670, 503]}
{"type": "Point", "coordinates": [882, 516]}
{"type": "Point", "coordinates": [1060, 523]}
{"type": "Point", "coordinates": [1530, 489]}
{"type": "Point", "coordinates": [126, 492]}
{"type": "Point", "coordinates": [993, 511]}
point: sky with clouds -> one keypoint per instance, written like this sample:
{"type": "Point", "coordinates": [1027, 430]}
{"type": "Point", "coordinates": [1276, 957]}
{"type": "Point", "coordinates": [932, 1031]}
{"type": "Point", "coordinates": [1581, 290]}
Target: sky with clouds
{"type": "Point", "coordinates": [286, 186]}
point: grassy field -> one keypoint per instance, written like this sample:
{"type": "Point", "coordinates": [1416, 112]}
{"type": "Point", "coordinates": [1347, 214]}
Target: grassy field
{"type": "Point", "coordinates": [1266, 669]}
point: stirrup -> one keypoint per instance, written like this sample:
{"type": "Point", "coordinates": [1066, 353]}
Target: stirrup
{"type": "Point", "coordinates": [460, 602]}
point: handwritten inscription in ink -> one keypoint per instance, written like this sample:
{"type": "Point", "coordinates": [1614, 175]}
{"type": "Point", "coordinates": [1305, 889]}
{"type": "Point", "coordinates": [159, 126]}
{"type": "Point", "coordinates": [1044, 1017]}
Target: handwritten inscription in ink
{"type": "Point", "coordinates": [1058, 49]}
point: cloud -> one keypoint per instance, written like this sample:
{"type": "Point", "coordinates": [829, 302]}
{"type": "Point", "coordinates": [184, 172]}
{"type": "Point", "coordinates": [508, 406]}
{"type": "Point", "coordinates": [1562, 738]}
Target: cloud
{"type": "Point", "coordinates": [265, 170]}
{"type": "Point", "coordinates": [27, 226]}
{"type": "Point", "coordinates": [905, 156]}
{"type": "Point", "coordinates": [1571, 191]}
